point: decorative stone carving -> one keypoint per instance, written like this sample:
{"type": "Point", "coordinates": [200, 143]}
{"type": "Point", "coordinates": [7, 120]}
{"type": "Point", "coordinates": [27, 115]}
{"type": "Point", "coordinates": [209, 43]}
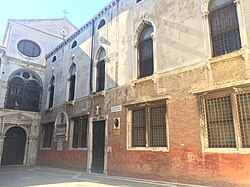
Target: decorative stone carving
{"type": "Point", "coordinates": [204, 8]}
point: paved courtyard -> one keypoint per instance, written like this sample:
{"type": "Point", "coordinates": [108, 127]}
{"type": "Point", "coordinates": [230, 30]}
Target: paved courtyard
{"type": "Point", "coordinates": [36, 176]}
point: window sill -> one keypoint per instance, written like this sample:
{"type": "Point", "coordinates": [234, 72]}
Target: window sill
{"type": "Point", "coordinates": [144, 79]}
{"type": "Point", "coordinates": [153, 149]}
{"type": "Point", "coordinates": [78, 149]}
{"type": "Point", "coordinates": [45, 149]}
{"type": "Point", "coordinates": [227, 150]}
{"type": "Point", "coordinates": [240, 53]}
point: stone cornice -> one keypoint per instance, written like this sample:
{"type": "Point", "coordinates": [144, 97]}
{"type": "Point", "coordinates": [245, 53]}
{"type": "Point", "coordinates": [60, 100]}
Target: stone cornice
{"type": "Point", "coordinates": [83, 28]}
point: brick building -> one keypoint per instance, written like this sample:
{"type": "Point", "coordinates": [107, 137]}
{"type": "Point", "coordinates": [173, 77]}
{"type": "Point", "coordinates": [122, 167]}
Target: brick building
{"type": "Point", "coordinates": [152, 89]}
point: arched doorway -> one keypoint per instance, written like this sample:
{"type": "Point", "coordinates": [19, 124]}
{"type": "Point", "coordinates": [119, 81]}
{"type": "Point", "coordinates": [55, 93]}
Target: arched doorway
{"type": "Point", "coordinates": [14, 146]}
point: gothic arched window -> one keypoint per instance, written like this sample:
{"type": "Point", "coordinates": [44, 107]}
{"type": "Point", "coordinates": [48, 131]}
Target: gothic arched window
{"type": "Point", "coordinates": [74, 44]}
{"type": "Point", "coordinates": [100, 71]}
{"type": "Point", "coordinates": [72, 81]}
{"type": "Point", "coordinates": [24, 91]}
{"type": "Point", "coordinates": [145, 52]}
{"type": "Point", "coordinates": [224, 27]}
{"type": "Point", "coordinates": [51, 91]}
{"type": "Point", "coordinates": [101, 24]}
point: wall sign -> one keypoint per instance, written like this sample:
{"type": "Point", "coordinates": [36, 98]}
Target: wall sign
{"type": "Point", "coordinates": [117, 108]}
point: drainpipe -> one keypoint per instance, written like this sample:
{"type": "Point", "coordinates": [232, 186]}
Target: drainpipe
{"type": "Point", "coordinates": [92, 58]}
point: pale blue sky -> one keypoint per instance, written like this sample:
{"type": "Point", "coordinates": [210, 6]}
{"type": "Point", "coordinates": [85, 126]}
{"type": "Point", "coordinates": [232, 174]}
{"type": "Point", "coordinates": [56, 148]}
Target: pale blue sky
{"type": "Point", "coordinates": [79, 11]}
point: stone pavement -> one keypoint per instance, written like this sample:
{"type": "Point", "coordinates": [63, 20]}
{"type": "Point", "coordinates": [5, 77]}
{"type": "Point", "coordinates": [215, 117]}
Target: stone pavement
{"type": "Point", "coordinates": [37, 176]}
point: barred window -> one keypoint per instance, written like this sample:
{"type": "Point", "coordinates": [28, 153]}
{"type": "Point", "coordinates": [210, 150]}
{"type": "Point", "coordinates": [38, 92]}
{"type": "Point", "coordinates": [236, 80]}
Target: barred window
{"type": "Point", "coordinates": [72, 82]}
{"type": "Point", "coordinates": [227, 120]}
{"type": "Point", "coordinates": [100, 68]}
{"type": "Point", "coordinates": [224, 27]}
{"type": "Point", "coordinates": [145, 47]}
{"type": "Point", "coordinates": [148, 126]}
{"type": "Point", "coordinates": [80, 132]}
{"type": "Point", "coordinates": [48, 135]}
{"type": "Point", "coordinates": [24, 91]}
{"type": "Point", "coordinates": [51, 91]}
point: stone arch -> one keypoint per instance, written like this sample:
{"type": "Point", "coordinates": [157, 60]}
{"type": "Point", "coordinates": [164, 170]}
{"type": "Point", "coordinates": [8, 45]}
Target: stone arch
{"type": "Point", "coordinates": [36, 76]}
{"type": "Point", "coordinates": [59, 122]}
{"type": "Point", "coordinates": [143, 23]}
{"type": "Point", "coordinates": [98, 53]}
{"type": "Point", "coordinates": [24, 90]}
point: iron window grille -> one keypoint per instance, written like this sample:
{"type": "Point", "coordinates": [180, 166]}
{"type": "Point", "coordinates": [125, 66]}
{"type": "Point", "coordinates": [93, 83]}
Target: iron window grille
{"type": "Point", "coordinates": [51, 91]}
{"type": "Point", "coordinates": [72, 82]}
{"type": "Point", "coordinates": [80, 132]}
{"type": "Point", "coordinates": [100, 80]}
{"type": "Point", "coordinates": [146, 52]}
{"type": "Point", "coordinates": [48, 135]}
{"type": "Point", "coordinates": [227, 120]}
{"type": "Point", "coordinates": [148, 126]}
{"type": "Point", "coordinates": [224, 27]}
{"type": "Point", "coordinates": [23, 92]}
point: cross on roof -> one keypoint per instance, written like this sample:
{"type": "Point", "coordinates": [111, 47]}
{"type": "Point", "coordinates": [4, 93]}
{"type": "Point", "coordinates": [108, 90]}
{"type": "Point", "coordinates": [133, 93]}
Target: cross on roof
{"type": "Point", "coordinates": [65, 13]}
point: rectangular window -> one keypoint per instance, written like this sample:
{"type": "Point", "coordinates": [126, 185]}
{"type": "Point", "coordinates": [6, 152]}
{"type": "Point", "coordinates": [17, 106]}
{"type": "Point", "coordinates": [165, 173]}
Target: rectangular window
{"type": "Point", "coordinates": [227, 120]}
{"type": "Point", "coordinates": [48, 135]}
{"type": "Point", "coordinates": [148, 128]}
{"type": "Point", "coordinates": [80, 132]}
{"type": "Point", "coordinates": [137, 1]}
{"type": "Point", "coordinates": [225, 34]}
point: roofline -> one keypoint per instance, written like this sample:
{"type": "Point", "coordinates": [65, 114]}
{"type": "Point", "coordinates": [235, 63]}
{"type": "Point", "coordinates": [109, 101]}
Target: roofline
{"type": "Point", "coordinates": [84, 27]}
{"type": "Point", "coordinates": [13, 20]}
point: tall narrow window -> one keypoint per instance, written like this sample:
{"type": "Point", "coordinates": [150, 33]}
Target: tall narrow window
{"type": "Point", "coordinates": [72, 80]}
{"type": "Point", "coordinates": [48, 135]}
{"type": "Point", "coordinates": [51, 91]}
{"type": "Point", "coordinates": [24, 91]}
{"type": "Point", "coordinates": [80, 132]}
{"type": "Point", "coordinates": [100, 79]}
{"type": "Point", "coordinates": [224, 27]}
{"type": "Point", "coordinates": [145, 52]}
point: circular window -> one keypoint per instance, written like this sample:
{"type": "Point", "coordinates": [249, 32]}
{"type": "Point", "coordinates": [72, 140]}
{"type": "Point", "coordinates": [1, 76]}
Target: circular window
{"type": "Point", "coordinates": [26, 75]}
{"type": "Point", "coordinates": [29, 48]}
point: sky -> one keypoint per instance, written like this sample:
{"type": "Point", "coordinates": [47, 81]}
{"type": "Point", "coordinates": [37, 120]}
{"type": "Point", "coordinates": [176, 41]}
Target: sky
{"type": "Point", "coordinates": [79, 11]}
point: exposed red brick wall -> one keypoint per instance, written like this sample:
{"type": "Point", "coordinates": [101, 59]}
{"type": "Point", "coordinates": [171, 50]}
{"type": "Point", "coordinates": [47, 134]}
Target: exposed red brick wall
{"type": "Point", "coordinates": [65, 158]}
{"type": "Point", "coordinates": [185, 161]}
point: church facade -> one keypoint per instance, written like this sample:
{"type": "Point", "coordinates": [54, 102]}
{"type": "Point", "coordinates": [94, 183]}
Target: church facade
{"type": "Point", "coordinates": [150, 89]}
{"type": "Point", "coordinates": [22, 65]}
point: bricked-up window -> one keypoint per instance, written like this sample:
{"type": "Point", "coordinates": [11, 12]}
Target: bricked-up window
{"type": "Point", "coordinates": [227, 119]}
{"type": "Point", "coordinates": [224, 27]}
{"type": "Point", "coordinates": [80, 132]}
{"type": "Point", "coordinates": [145, 52]}
{"type": "Point", "coordinates": [48, 135]}
{"type": "Point", "coordinates": [148, 126]}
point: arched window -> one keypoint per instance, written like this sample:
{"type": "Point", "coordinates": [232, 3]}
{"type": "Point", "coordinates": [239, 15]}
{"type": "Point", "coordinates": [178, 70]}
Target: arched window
{"type": "Point", "coordinates": [74, 44]}
{"type": "Point", "coordinates": [224, 27]}
{"type": "Point", "coordinates": [145, 52]}
{"type": "Point", "coordinates": [51, 91]}
{"type": "Point", "coordinates": [24, 91]}
{"type": "Point", "coordinates": [72, 80]}
{"type": "Point", "coordinates": [101, 23]}
{"type": "Point", "coordinates": [53, 59]}
{"type": "Point", "coordinates": [100, 71]}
